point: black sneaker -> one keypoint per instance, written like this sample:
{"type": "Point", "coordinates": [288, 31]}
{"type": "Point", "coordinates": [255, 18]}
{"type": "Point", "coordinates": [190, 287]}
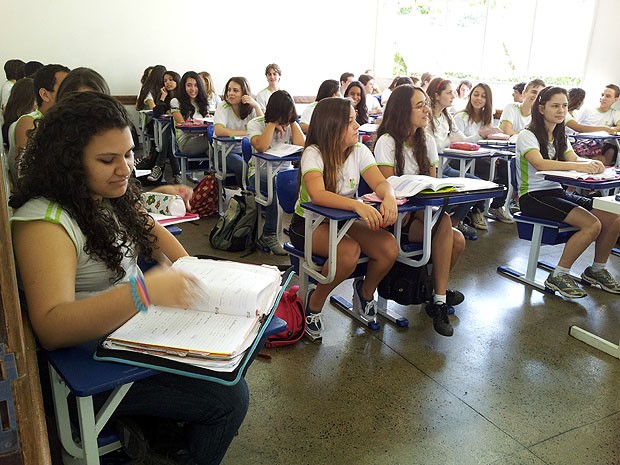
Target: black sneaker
{"type": "Point", "coordinates": [454, 297]}
{"type": "Point", "coordinates": [438, 311]}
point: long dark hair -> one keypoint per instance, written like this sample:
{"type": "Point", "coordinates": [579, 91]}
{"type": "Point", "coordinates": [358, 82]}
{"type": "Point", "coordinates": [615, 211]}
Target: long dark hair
{"type": "Point", "coordinates": [21, 101]}
{"type": "Point", "coordinates": [152, 85]}
{"type": "Point", "coordinates": [329, 120]}
{"type": "Point", "coordinates": [576, 96]}
{"type": "Point", "coordinates": [245, 109]}
{"type": "Point", "coordinates": [360, 108]}
{"type": "Point", "coordinates": [436, 87]}
{"type": "Point", "coordinates": [327, 89]}
{"type": "Point", "coordinates": [52, 167]}
{"type": "Point", "coordinates": [176, 77]}
{"type": "Point", "coordinates": [397, 123]}
{"type": "Point", "coordinates": [280, 108]}
{"type": "Point", "coordinates": [486, 112]}
{"type": "Point", "coordinates": [82, 78]}
{"type": "Point", "coordinates": [185, 101]}
{"type": "Point", "coordinates": [537, 126]}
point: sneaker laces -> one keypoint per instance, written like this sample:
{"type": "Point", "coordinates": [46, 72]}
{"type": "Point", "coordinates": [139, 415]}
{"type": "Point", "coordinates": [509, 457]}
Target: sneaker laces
{"type": "Point", "coordinates": [315, 319]}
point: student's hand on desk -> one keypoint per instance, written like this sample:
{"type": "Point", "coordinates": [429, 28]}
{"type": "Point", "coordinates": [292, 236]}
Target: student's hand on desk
{"type": "Point", "coordinates": [591, 167]}
{"type": "Point", "coordinates": [172, 288]}
{"type": "Point", "coordinates": [370, 215]}
{"type": "Point", "coordinates": [389, 210]}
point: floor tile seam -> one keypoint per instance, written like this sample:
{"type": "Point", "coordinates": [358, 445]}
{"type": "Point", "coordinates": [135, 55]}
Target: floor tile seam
{"type": "Point", "coordinates": [573, 429]}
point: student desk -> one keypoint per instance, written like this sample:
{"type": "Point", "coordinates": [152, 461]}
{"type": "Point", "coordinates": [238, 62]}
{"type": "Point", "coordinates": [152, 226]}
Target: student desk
{"type": "Point", "coordinates": [367, 129]}
{"type": "Point", "coordinates": [74, 371]}
{"type": "Point", "coordinates": [222, 147]}
{"type": "Point", "coordinates": [341, 220]}
{"type": "Point", "coordinates": [160, 126]}
{"type": "Point", "coordinates": [272, 164]}
{"type": "Point", "coordinates": [608, 204]}
{"type": "Point", "coordinates": [467, 164]}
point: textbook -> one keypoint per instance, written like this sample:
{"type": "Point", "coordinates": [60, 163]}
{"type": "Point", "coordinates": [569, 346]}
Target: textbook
{"type": "Point", "coordinates": [409, 185]}
{"type": "Point", "coordinates": [607, 175]}
{"type": "Point", "coordinates": [235, 300]}
{"type": "Point", "coordinates": [284, 150]}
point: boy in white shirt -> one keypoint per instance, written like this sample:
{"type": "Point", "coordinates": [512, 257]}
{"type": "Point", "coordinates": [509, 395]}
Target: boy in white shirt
{"type": "Point", "coordinates": [273, 74]}
{"type": "Point", "coordinates": [516, 116]}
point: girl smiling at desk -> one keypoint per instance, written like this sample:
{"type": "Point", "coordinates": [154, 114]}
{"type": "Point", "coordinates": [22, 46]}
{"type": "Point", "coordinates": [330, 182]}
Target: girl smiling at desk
{"type": "Point", "coordinates": [403, 148]}
{"type": "Point", "coordinates": [191, 102]}
{"type": "Point", "coordinates": [544, 146]}
{"type": "Point", "coordinates": [331, 166]}
{"type": "Point", "coordinates": [77, 210]}
{"type": "Point", "coordinates": [232, 117]}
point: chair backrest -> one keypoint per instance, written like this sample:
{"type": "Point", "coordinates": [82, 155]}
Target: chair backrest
{"type": "Point", "coordinates": [246, 149]}
{"type": "Point", "coordinates": [210, 130]}
{"type": "Point", "coordinates": [286, 189]}
{"type": "Point", "coordinates": [363, 188]}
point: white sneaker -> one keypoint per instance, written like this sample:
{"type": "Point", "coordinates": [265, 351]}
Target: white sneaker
{"type": "Point", "coordinates": [478, 221]}
{"type": "Point", "coordinates": [501, 215]}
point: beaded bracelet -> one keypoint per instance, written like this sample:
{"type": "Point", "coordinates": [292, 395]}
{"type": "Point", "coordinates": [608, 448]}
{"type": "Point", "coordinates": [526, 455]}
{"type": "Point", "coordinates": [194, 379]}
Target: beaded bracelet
{"type": "Point", "coordinates": [133, 285]}
{"type": "Point", "coordinates": [143, 292]}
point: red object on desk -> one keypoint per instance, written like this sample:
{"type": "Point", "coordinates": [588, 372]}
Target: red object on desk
{"type": "Point", "coordinates": [465, 146]}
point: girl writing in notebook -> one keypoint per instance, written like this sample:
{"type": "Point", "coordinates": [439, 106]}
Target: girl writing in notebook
{"type": "Point", "coordinates": [331, 166]}
{"type": "Point", "coordinates": [78, 210]}
{"type": "Point", "coordinates": [232, 117]}
{"type": "Point", "coordinates": [402, 147]}
{"type": "Point", "coordinates": [544, 146]}
{"type": "Point", "coordinates": [278, 126]}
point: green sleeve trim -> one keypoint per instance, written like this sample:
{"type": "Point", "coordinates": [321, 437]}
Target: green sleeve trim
{"type": "Point", "coordinates": [369, 166]}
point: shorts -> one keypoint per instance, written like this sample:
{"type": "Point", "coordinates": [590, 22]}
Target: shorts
{"type": "Point", "coordinates": [552, 204]}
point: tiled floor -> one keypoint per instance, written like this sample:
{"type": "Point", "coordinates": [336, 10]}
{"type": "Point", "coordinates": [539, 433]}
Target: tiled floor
{"type": "Point", "coordinates": [510, 387]}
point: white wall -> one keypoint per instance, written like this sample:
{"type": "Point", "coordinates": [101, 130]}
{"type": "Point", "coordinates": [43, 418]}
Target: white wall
{"type": "Point", "coordinates": [602, 62]}
{"type": "Point", "coordinates": [311, 41]}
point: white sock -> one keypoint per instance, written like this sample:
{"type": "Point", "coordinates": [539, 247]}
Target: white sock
{"type": "Point", "coordinates": [439, 298]}
{"type": "Point", "coordinates": [598, 266]}
{"type": "Point", "coordinates": [560, 270]}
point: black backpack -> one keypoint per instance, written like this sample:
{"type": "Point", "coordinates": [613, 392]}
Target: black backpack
{"type": "Point", "coordinates": [236, 230]}
{"type": "Point", "coordinates": [407, 285]}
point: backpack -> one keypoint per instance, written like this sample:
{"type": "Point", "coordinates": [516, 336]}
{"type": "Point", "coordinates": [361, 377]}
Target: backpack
{"type": "Point", "coordinates": [205, 196]}
{"type": "Point", "coordinates": [236, 230]}
{"type": "Point", "coordinates": [291, 310]}
{"type": "Point", "coordinates": [407, 285]}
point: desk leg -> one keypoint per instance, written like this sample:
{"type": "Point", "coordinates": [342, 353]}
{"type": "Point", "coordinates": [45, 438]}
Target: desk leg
{"type": "Point", "coordinates": [595, 341]}
{"type": "Point", "coordinates": [344, 305]}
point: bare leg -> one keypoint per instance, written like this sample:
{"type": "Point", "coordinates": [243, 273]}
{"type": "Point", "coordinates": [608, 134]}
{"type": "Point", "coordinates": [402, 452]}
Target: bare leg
{"type": "Point", "coordinates": [589, 229]}
{"type": "Point", "coordinates": [610, 227]}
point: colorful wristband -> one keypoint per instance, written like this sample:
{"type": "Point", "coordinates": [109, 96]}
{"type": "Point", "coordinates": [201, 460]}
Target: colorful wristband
{"type": "Point", "coordinates": [143, 292]}
{"type": "Point", "coordinates": [133, 287]}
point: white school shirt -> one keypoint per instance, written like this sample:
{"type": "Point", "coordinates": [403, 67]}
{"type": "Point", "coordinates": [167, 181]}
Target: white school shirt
{"type": "Point", "coordinates": [385, 149]}
{"type": "Point", "coordinates": [225, 116]}
{"type": "Point", "coordinates": [385, 95]}
{"type": "Point", "coordinates": [467, 125]}
{"type": "Point", "coordinates": [255, 128]}
{"type": "Point", "coordinates": [512, 114]}
{"type": "Point", "coordinates": [263, 97]}
{"type": "Point", "coordinates": [358, 161]}
{"type": "Point", "coordinates": [443, 135]}
{"type": "Point", "coordinates": [5, 92]}
{"type": "Point", "coordinates": [593, 117]}
{"type": "Point", "coordinates": [372, 102]}
{"type": "Point", "coordinates": [92, 274]}
{"type": "Point", "coordinates": [306, 116]}
{"type": "Point", "coordinates": [214, 101]}
{"type": "Point", "coordinates": [527, 179]}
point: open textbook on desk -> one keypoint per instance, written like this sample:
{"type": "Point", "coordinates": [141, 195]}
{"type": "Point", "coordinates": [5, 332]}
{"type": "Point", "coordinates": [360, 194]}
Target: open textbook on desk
{"type": "Point", "coordinates": [409, 185]}
{"type": "Point", "coordinates": [215, 335]}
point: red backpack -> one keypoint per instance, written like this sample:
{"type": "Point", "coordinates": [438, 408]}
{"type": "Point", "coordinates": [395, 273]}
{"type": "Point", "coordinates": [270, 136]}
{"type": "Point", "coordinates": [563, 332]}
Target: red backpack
{"type": "Point", "coordinates": [291, 310]}
{"type": "Point", "coordinates": [204, 201]}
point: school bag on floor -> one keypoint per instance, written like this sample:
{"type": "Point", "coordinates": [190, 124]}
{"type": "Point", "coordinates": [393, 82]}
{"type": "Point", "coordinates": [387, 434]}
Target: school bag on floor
{"type": "Point", "coordinates": [291, 310]}
{"type": "Point", "coordinates": [236, 230]}
{"type": "Point", "coordinates": [205, 196]}
{"type": "Point", "coordinates": [407, 285]}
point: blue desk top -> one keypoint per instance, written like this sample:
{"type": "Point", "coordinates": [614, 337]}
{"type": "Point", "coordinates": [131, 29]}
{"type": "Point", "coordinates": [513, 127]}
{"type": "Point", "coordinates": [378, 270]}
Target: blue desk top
{"type": "Point", "coordinates": [417, 202]}
{"type": "Point", "coordinates": [275, 158]}
{"type": "Point", "coordinates": [594, 185]}
{"type": "Point", "coordinates": [86, 376]}
{"type": "Point", "coordinates": [594, 136]}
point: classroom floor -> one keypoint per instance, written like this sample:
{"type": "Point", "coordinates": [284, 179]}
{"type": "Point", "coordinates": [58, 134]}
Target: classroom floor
{"type": "Point", "coordinates": [510, 387]}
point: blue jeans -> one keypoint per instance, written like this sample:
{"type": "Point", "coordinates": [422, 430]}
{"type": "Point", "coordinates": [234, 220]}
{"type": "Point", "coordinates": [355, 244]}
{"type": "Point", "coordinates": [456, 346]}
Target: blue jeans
{"type": "Point", "coordinates": [271, 210]}
{"type": "Point", "coordinates": [213, 412]}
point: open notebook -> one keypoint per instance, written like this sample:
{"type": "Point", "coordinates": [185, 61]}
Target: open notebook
{"type": "Point", "coordinates": [409, 185]}
{"type": "Point", "coordinates": [218, 329]}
